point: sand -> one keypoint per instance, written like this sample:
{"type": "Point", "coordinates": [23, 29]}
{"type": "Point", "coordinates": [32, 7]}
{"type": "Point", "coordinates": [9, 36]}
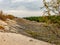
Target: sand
{"type": "Point", "coordinates": [18, 39]}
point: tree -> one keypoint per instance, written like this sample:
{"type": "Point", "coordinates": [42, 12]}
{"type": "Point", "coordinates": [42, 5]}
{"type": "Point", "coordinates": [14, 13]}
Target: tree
{"type": "Point", "coordinates": [52, 6]}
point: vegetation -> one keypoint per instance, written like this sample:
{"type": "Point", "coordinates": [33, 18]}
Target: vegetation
{"type": "Point", "coordinates": [33, 33]}
{"type": "Point", "coordinates": [10, 16]}
{"type": "Point", "coordinates": [4, 16]}
{"type": "Point", "coordinates": [51, 31]}
{"type": "Point", "coordinates": [47, 36]}
{"type": "Point", "coordinates": [51, 6]}
{"type": "Point", "coordinates": [51, 19]}
{"type": "Point", "coordinates": [1, 27]}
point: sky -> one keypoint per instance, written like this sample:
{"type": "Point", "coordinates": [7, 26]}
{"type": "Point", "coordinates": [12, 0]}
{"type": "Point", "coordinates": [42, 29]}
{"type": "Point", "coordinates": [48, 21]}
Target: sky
{"type": "Point", "coordinates": [22, 8]}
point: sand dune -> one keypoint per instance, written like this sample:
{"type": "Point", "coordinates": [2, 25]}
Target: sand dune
{"type": "Point", "coordinates": [18, 39]}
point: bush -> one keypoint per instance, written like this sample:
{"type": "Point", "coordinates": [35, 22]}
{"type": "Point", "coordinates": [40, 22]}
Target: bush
{"type": "Point", "coordinates": [10, 16]}
{"type": "Point", "coordinates": [1, 27]}
{"type": "Point", "coordinates": [49, 19]}
{"type": "Point", "coordinates": [32, 33]}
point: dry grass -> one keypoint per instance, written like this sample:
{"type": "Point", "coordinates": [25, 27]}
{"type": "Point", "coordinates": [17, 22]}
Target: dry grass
{"type": "Point", "coordinates": [1, 27]}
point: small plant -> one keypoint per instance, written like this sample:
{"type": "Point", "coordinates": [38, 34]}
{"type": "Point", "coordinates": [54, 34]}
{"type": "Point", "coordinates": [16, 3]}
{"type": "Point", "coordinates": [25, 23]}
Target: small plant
{"type": "Point", "coordinates": [10, 16]}
{"type": "Point", "coordinates": [32, 33]}
{"type": "Point", "coordinates": [1, 27]}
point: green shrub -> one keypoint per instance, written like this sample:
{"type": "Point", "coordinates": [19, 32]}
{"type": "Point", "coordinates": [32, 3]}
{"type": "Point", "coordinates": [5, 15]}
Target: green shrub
{"type": "Point", "coordinates": [49, 19]}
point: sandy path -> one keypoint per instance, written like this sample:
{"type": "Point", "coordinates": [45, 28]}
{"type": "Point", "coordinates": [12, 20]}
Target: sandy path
{"type": "Point", "coordinates": [17, 39]}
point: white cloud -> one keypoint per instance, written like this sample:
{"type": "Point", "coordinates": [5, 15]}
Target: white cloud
{"type": "Point", "coordinates": [14, 1]}
{"type": "Point", "coordinates": [22, 8]}
{"type": "Point", "coordinates": [31, 0]}
{"type": "Point", "coordinates": [24, 13]}
{"type": "Point", "coordinates": [1, 0]}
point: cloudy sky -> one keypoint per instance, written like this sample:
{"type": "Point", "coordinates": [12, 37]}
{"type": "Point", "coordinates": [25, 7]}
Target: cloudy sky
{"type": "Point", "coordinates": [22, 8]}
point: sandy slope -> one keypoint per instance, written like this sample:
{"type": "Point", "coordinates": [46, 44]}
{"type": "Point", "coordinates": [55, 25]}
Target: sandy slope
{"type": "Point", "coordinates": [17, 39]}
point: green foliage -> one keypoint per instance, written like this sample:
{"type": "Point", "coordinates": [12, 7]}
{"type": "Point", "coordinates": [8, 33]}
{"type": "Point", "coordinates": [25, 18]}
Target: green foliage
{"type": "Point", "coordinates": [50, 19]}
{"type": "Point", "coordinates": [38, 19]}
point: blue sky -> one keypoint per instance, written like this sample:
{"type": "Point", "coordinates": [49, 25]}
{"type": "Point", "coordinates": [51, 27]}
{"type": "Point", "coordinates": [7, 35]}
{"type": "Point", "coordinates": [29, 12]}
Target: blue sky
{"type": "Point", "coordinates": [22, 8]}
